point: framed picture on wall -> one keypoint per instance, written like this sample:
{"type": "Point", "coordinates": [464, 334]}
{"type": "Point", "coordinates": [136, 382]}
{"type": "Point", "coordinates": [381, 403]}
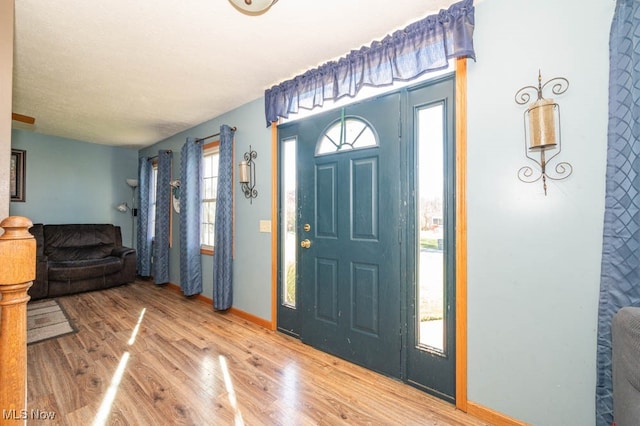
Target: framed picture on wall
{"type": "Point", "coordinates": [17, 174]}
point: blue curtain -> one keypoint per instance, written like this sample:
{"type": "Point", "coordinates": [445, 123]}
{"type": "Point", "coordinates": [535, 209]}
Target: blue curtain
{"type": "Point", "coordinates": [190, 210]}
{"type": "Point", "coordinates": [423, 46]}
{"type": "Point", "coordinates": [145, 234]}
{"type": "Point", "coordinates": [620, 280]}
{"type": "Point", "coordinates": [163, 218]}
{"type": "Point", "coordinates": [222, 252]}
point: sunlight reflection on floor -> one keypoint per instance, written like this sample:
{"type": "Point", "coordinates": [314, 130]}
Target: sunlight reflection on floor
{"type": "Point", "coordinates": [230, 391]}
{"type": "Point", "coordinates": [105, 407]}
{"type": "Point", "coordinates": [290, 394]}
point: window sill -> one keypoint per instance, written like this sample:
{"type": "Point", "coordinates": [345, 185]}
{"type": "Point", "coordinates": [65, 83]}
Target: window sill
{"type": "Point", "coordinates": [206, 251]}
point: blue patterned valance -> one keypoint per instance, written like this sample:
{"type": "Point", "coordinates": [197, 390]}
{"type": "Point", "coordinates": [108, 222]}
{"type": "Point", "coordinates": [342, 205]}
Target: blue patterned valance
{"type": "Point", "coordinates": [424, 46]}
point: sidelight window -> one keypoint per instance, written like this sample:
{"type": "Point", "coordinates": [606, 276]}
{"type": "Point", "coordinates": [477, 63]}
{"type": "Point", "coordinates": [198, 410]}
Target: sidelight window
{"type": "Point", "coordinates": [289, 238]}
{"type": "Point", "coordinates": [431, 227]}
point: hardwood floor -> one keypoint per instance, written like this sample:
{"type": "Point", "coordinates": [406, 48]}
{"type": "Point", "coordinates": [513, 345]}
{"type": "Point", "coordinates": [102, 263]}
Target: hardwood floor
{"type": "Point", "coordinates": [190, 365]}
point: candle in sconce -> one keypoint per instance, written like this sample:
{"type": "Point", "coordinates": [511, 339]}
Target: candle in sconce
{"type": "Point", "coordinates": [243, 170]}
{"type": "Point", "coordinates": [541, 123]}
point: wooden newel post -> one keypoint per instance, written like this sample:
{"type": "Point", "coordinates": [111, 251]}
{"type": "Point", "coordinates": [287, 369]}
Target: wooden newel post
{"type": "Point", "coordinates": [17, 271]}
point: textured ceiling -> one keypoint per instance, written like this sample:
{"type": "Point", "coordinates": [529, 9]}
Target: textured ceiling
{"type": "Point", "coordinates": [131, 73]}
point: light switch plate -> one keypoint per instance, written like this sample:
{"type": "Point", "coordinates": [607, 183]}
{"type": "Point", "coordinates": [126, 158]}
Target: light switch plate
{"type": "Point", "coordinates": [265, 226]}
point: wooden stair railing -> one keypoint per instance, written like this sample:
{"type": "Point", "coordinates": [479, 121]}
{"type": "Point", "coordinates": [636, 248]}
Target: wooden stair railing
{"type": "Point", "coordinates": [17, 271]}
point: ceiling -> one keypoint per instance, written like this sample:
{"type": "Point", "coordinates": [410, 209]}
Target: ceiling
{"type": "Point", "coordinates": [131, 73]}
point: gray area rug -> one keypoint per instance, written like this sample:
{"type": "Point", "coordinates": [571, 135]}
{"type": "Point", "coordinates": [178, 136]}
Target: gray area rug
{"type": "Point", "coordinates": [47, 320]}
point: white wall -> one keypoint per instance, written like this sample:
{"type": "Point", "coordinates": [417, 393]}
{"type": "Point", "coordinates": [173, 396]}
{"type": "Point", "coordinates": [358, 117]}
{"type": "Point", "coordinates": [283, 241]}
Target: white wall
{"type": "Point", "coordinates": [534, 261]}
{"type": "Point", "coordinates": [6, 85]}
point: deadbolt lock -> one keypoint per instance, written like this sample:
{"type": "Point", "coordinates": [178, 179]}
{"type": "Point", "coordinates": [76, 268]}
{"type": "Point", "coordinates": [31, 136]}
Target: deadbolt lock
{"type": "Point", "coordinates": [305, 243]}
{"type": "Point", "coordinates": [306, 227]}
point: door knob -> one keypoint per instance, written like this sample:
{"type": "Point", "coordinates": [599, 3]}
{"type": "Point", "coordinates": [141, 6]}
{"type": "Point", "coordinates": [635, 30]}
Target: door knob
{"type": "Point", "coordinates": [305, 243]}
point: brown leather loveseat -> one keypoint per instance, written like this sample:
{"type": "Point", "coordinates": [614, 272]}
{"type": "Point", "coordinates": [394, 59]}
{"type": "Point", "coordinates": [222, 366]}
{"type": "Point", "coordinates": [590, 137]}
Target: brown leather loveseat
{"type": "Point", "coordinates": [80, 257]}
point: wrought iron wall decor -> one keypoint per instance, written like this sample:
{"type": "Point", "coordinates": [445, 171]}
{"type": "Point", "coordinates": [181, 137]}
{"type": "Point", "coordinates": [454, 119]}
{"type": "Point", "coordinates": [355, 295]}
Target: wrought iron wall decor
{"type": "Point", "coordinates": [542, 132]}
{"type": "Point", "coordinates": [175, 194]}
{"type": "Point", "coordinates": [247, 174]}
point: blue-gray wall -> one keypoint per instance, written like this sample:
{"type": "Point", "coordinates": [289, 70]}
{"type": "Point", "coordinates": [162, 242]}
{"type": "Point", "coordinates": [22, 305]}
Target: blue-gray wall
{"type": "Point", "coordinates": [534, 261]}
{"type": "Point", "coordinates": [70, 181]}
{"type": "Point", "coordinates": [252, 249]}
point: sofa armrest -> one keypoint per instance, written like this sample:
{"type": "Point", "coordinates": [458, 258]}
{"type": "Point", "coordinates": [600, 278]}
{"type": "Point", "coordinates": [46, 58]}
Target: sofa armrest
{"type": "Point", "coordinates": [625, 333]}
{"type": "Point", "coordinates": [122, 251]}
{"type": "Point", "coordinates": [40, 287]}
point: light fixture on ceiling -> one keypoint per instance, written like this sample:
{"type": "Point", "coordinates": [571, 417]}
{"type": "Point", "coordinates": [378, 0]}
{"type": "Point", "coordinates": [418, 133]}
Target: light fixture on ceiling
{"type": "Point", "coordinates": [542, 132]}
{"type": "Point", "coordinates": [253, 7]}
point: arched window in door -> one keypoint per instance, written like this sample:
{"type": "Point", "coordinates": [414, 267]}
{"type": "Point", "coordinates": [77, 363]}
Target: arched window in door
{"type": "Point", "coordinates": [346, 134]}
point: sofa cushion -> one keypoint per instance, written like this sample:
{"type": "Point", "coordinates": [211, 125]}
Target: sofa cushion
{"type": "Point", "coordinates": [82, 269]}
{"type": "Point", "coordinates": [80, 253]}
{"type": "Point", "coordinates": [79, 241]}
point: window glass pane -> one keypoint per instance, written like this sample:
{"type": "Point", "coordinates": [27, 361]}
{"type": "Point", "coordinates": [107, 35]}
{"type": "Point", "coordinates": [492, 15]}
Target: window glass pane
{"type": "Point", "coordinates": [206, 165]}
{"type": "Point", "coordinates": [431, 225]}
{"type": "Point", "coordinates": [209, 192]}
{"type": "Point", "coordinates": [352, 133]}
{"type": "Point", "coordinates": [210, 188]}
{"type": "Point", "coordinates": [326, 146]}
{"type": "Point", "coordinates": [152, 207]}
{"type": "Point", "coordinates": [214, 164]}
{"type": "Point", "coordinates": [289, 225]}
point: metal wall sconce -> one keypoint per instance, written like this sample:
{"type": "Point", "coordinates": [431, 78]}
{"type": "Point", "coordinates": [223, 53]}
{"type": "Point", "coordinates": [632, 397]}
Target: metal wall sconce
{"type": "Point", "coordinates": [175, 194]}
{"type": "Point", "coordinates": [247, 174]}
{"type": "Point", "coordinates": [542, 132]}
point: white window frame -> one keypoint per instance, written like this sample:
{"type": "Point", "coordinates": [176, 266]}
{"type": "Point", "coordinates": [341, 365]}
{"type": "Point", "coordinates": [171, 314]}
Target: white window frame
{"type": "Point", "coordinates": [210, 152]}
{"type": "Point", "coordinates": [152, 204]}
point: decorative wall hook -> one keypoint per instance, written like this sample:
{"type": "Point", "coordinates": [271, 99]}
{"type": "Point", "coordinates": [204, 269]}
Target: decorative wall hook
{"type": "Point", "coordinates": [247, 174]}
{"type": "Point", "coordinates": [542, 132]}
{"type": "Point", "coordinates": [175, 194]}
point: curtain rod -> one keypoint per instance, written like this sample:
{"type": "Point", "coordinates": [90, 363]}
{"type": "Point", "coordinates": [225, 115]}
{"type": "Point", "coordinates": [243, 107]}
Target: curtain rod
{"type": "Point", "coordinates": [155, 156]}
{"type": "Point", "coordinates": [233, 129]}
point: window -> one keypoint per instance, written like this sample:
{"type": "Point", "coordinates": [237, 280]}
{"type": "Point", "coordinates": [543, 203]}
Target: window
{"type": "Point", "coordinates": [430, 193]}
{"type": "Point", "coordinates": [152, 190]}
{"type": "Point", "coordinates": [289, 207]}
{"type": "Point", "coordinates": [209, 193]}
{"type": "Point", "coordinates": [349, 133]}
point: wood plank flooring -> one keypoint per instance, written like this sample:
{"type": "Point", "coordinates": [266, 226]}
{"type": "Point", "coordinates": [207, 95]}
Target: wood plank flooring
{"type": "Point", "coordinates": [190, 365]}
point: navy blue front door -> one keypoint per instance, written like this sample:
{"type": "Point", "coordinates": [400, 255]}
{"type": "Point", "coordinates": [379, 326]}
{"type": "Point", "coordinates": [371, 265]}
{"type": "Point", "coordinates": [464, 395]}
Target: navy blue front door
{"type": "Point", "coordinates": [367, 272]}
{"type": "Point", "coordinates": [348, 195]}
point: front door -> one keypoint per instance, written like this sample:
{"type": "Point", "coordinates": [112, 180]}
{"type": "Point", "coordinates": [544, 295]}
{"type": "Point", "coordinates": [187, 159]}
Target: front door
{"type": "Point", "coordinates": [348, 225]}
{"type": "Point", "coordinates": [366, 234]}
